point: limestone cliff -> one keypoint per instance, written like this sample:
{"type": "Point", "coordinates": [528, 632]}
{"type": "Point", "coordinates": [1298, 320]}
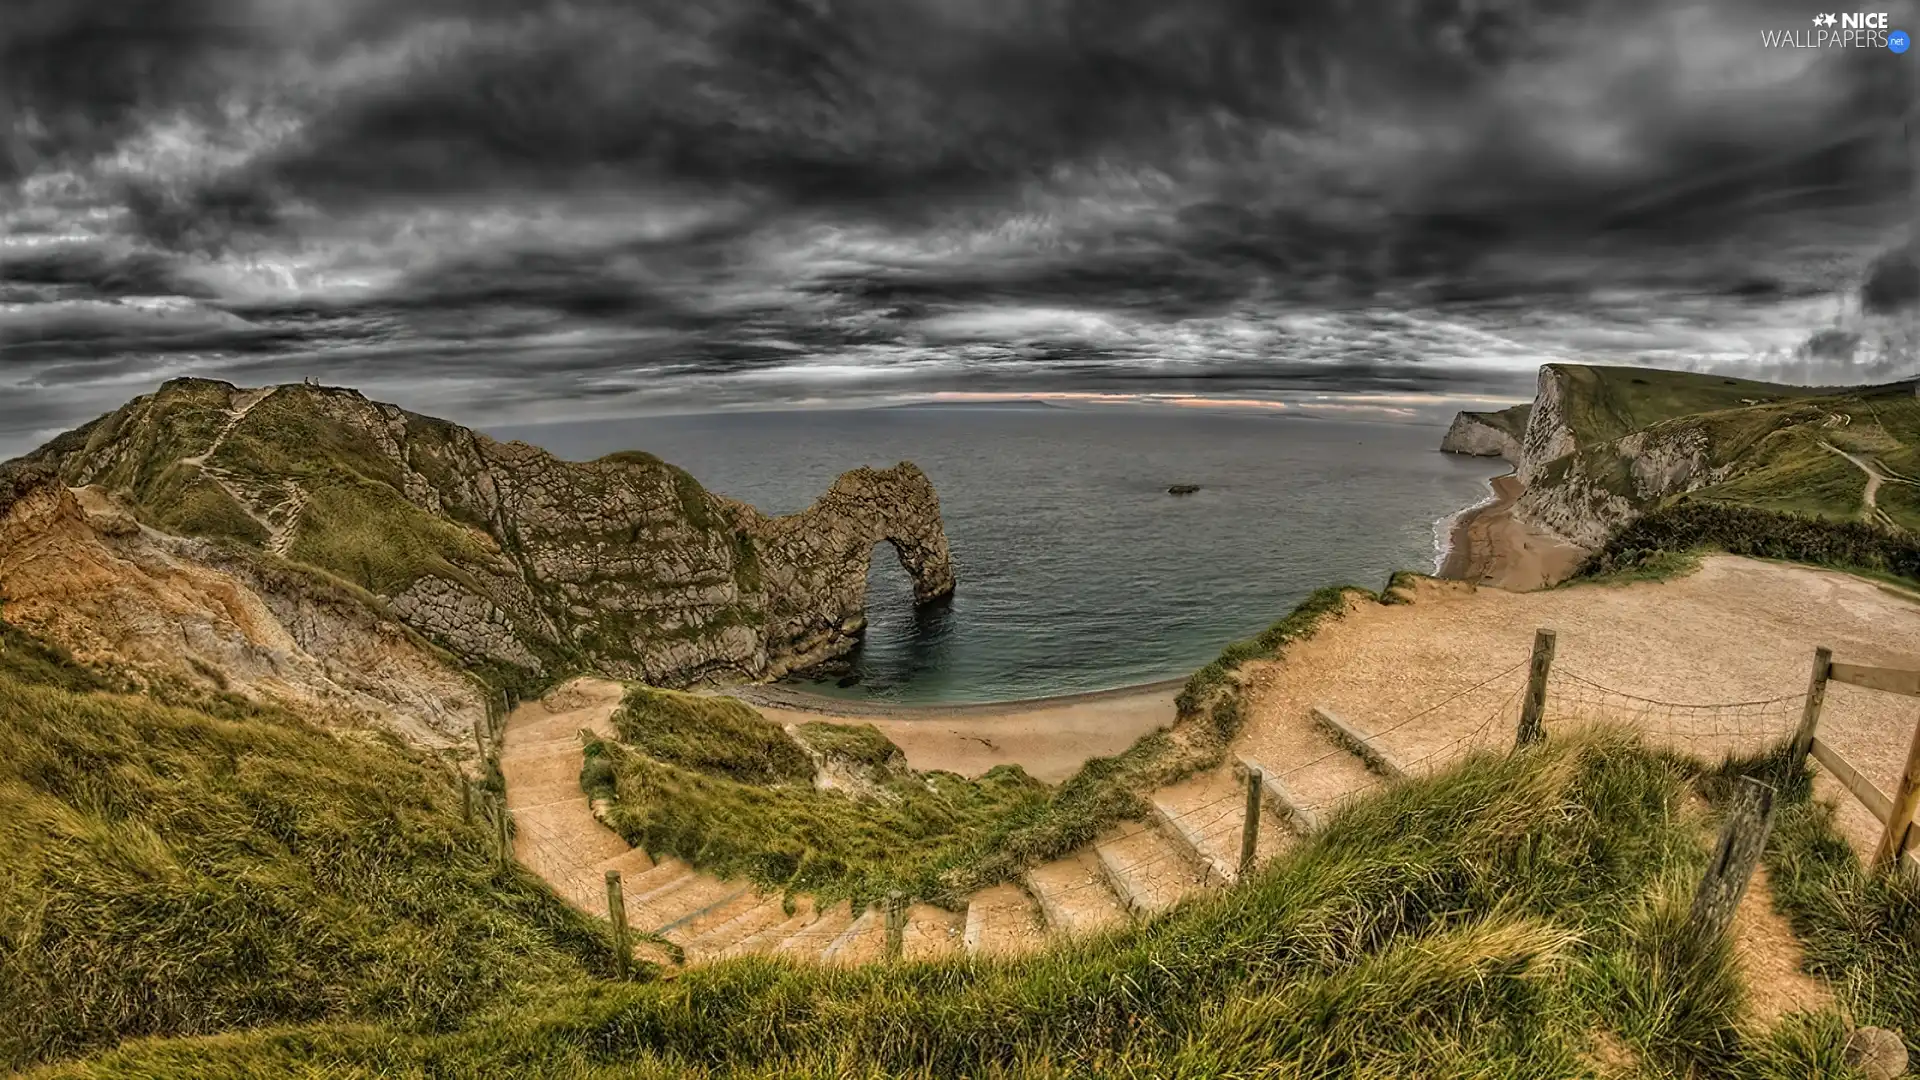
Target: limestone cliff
{"type": "Point", "coordinates": [1487, 434]}
{"type": "Point", "coordinates": [521, 564]}
{"type": "Point", "coordinates": [1602, 445]}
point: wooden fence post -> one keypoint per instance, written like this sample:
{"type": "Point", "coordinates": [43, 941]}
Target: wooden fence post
{"type": "Point", "coordinates": [896, 924]}
{"type": "Point", "coordinates": [1906, 799]}
{"type": "Point", "coordinates": [1809, 714]}
{"type": "Point", "coordinates": [500, 831]}
{"type": "Point", "coordinates": [617, 915]}
{"type": "Point", "coordinates": [1533, 709]}
{"type": "Point", "coordinates": [1250, 829]}
{"type": "Point", "coordinates": [1741, 840]}
{"type": "Point", "coordinates": [466, 800]}
{"type": "Point", "coordinates": [480, 738]}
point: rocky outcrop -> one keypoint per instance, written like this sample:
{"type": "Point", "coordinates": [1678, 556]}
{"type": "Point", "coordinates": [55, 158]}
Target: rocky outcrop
{"type": "Point", "coordinates": [503, 554]}
{"type": "Point", "coordinates": [77, 569]}
{"type": "Point", "coordinates": [1479, 435]}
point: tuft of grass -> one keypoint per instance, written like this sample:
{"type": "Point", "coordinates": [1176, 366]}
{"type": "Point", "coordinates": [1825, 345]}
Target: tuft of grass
{"type": "Point", "coordinates": [211, 865]}
{"type": "Point", "coordinates": [1493, 921]}
{"type": "Point", "coordinates": [721, 736]}
{"type": "Point", "coordinates": [861, 744]}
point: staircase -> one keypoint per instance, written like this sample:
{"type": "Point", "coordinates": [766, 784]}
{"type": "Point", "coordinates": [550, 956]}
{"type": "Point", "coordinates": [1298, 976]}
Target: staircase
{"type": "Point", "coordinates": [1190, 844]}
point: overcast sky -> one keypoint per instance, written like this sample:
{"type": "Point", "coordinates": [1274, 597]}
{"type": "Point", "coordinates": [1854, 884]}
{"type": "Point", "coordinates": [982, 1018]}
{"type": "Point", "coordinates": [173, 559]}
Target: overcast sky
{"type": "Point", "coordinates": [516, 210]}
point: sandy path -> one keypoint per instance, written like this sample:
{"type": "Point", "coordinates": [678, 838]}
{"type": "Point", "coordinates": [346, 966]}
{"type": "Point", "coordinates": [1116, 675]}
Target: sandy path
{"type": "Point", "coordinates": [555, 833]}
{"type": "Point", "coordinates": [1492, 547]}
{"type": "Point", "coordinates": [1050, 739]}
{"type": "Point", "coordinates": [1736, 630]}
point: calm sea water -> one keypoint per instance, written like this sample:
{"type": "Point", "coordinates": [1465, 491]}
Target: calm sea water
{"type": "Point", "coordinates": [1077, 571]}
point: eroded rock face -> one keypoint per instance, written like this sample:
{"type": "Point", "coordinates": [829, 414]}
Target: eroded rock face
{"type": "Point", "coordinates": [1584, 493]}
{"type": "Point", "coordinates": [76, 569]}
{"type": "Point", "coordinates": [504, 554]}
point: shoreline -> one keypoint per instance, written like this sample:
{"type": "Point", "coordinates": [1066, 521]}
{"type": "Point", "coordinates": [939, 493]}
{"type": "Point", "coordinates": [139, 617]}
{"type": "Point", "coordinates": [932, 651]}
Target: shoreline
{"type": "Point", "coordinates": [775, 696]}
{"type": "Point", "coordinates": [1050, 738]}
{"type": "Point", "coordinates": [1487, 544]}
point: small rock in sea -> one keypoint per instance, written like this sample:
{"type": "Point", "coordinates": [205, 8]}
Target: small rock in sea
{"type": "Point", "coordinates": [1183, 489]}
{"type": "Point", "coordinates": [851, 680]}
{"type": "Point", "coordinates": [1877, 1053]}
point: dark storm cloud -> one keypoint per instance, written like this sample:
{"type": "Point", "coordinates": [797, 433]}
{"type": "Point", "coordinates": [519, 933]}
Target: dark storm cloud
{"type": "Point", "coordinates": [55, 271]}
{"type": "Point", "coordinates": [723, 200]}
{"type": "Point", "coordinates": [76, 73]}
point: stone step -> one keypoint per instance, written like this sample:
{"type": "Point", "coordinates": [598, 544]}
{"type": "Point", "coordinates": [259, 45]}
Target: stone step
{"type": "Point", "coordinates": [668, 907]}
{"type": "Point", "coordinates": [1279, 799]}
{"type": "Point", "coordinates": [631, 863]}
{"type": "Point", "coordinates": [664, 871]}
{"type": "Point", "coordinates": [646, 897]}
{"type": "Point", "coordinates": [1190, 831]}
{"type": "Point", "coordinates": [931, 932]}
{"type": "Point", "coordinates": [811, 940]}
{"type": "Point", "coordinates": [690, 926]}
{"type": "Point", "coordinates": [1074, 894]}
{"type": "Point", "coordinates": [864, 940]}
{"type": "Point", "coordinates": [721, 937]}
{"type": "Point", "coordinates": [1148, 870]}
{"type": "Point", "coordinates": [768, 938]}
{"type": "Point", "coordinates": [1002, 921]}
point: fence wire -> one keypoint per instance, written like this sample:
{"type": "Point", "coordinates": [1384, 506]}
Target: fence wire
{"type": "Point", "coordinates": [1702, 729]}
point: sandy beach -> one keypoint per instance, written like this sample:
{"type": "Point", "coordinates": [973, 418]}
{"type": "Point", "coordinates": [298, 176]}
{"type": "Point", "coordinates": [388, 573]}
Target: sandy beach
{"type": "Point", "coordinates": [1489, 546]}
{"type": "Point", "coordinates": [1048, 737]}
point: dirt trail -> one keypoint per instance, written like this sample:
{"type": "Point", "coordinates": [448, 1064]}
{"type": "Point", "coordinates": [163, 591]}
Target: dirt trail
{"type": "Point", "coordinates": [1736, 630]}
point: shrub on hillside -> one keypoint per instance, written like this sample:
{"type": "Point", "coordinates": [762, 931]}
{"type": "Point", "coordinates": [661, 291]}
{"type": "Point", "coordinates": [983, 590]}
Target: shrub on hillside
{"type": "Point", "coordinates": [1746, 530]}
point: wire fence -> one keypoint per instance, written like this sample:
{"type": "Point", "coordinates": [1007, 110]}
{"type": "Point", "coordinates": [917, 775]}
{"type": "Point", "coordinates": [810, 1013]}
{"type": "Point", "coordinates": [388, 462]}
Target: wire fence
{"type": "Point", "coordinates": [1702, 729]}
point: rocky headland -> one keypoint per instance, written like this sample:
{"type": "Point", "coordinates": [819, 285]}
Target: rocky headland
{"type": "Point", "coordinates": [303, 540]}
{"type": "Point", "coordinates": [1598, 447]}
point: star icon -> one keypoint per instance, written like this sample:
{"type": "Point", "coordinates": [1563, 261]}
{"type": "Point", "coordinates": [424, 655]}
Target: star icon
{"type": "Point", "coordinates": [1828, 19]}
{"type": "Point", "coordinates": [1819, 20]}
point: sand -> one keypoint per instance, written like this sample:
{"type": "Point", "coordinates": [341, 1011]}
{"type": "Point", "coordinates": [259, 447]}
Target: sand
{"type": "Point", "coordinates": [1048, 737]}
{"type": "Point", "coordinates": [1489, 546]}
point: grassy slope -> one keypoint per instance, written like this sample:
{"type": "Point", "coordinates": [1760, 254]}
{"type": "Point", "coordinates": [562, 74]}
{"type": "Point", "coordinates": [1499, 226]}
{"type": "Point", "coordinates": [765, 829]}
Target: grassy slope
{"type": "Point", "coordinates": [1775, 445]}
{"type": "Point", "coordinates": [710, 780]}
{"type": "Point", "coordinates": [209, 866]}
{"type": "Point", "coordinates": [1605, 403]}
{"type": "Point", "coordinates": [1492, 922]}
{"type": "Point", "coordinates": [703, 780]}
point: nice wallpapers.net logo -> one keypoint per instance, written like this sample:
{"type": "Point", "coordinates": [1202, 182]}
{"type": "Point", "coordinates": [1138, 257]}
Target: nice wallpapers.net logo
{"type": "Point", "coordinates": [1842, 30]}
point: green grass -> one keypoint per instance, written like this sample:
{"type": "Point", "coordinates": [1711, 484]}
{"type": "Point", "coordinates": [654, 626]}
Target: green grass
{"type": "Point", "coordinates": [720, 736]}
{"type": "Point", "coordinates": [861, 744]}
{"type": "Point", "coordinates": [210, 865]}
{"type": "Point", "coordinates": [915, 832]}
{"type": "Point", "coordinates": [1861, 931]}
{"type": "Point", "coordinates": [1500, 920]}
{"type": "Point", "coordinates": [366, 533]}
{"type": "Point", "coordinates": [1604, 403]}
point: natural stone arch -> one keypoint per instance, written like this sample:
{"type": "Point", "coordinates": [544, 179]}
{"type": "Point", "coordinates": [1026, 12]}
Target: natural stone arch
{"type": "Point", "coordinates": [815, 563]}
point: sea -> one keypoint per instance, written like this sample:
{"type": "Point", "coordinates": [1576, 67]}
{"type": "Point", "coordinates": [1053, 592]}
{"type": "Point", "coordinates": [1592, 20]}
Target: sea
{"type": "Point", "coordinates": [1077, 570]}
